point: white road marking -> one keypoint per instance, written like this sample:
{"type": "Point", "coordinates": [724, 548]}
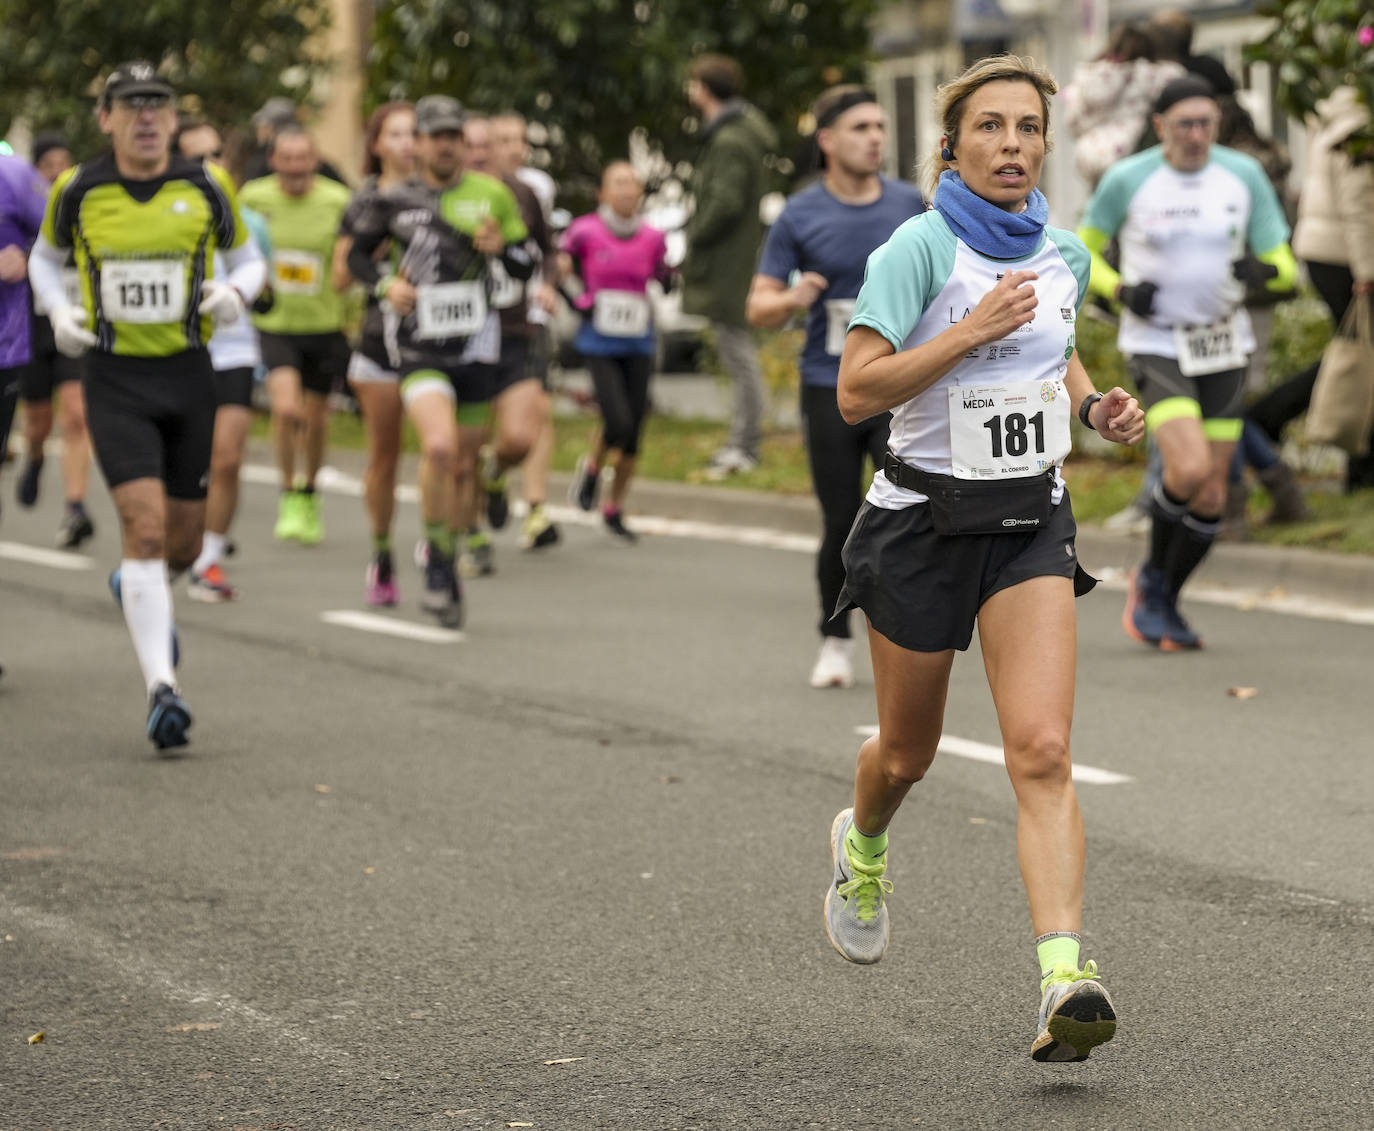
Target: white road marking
{"type": "Point", "coordinates": [53, 559]}
{"type": "Point", "coordinates": [982, 752]}
{"type": "Point", "coordinates": [133, 967]}
{"type": "Point", "coordinates": [388, 626]}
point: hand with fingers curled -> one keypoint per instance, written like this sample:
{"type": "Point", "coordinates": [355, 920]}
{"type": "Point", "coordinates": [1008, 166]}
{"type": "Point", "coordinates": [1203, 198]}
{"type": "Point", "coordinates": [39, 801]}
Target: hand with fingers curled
{"type": "Point", "coordinates": [1138, 298]}
{"type": "Point", "coordinates": [1005, 308]}
{"type": "Point", "coordinates": [1117, 417]}
{"type": "Point", "coordinates": [808, 288]}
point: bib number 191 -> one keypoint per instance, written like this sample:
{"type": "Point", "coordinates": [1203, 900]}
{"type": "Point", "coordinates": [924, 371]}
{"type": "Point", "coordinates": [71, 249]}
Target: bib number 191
{"type": "Point", "coordinates": [1010, 433]}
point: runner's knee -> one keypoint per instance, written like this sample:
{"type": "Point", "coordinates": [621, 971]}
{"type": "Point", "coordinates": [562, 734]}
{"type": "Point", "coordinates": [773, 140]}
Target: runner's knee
{"type": "Point", "coordinates": [1039, 757]}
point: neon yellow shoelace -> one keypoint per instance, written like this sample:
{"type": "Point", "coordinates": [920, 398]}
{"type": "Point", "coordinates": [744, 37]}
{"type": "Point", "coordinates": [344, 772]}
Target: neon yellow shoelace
{"type": "Point", "coordinates": [1061, 974]}
{"type": "Point", "coordinates": [866, 888]}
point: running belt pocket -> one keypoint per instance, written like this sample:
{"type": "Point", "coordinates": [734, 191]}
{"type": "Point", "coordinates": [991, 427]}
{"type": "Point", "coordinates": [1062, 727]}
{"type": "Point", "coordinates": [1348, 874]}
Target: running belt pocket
{"type": "Point", "coordinates": [974, 506]}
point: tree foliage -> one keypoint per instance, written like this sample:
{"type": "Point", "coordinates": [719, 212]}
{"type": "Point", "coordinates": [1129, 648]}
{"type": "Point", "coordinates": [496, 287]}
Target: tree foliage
{"type": "Point", "coordinates": [593, 73]}
{"type": "Point", "coordinates": [226, 58]}
{"type": "Point", "coordinates": [1317, 47]}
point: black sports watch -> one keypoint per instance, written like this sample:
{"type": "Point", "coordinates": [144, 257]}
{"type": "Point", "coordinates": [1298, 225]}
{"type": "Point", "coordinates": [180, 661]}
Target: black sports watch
{"type": "Point", "coordinates": [1086, 407]}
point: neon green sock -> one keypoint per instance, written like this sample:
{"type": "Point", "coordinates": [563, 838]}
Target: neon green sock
{"type": "Point", "coordinates": [381, 543]}
{"type": "Point", "coordinates": [868, 849]}
{"type": "Point", "coordinates": [440, 536]}
{"type": "Point", "coordinates": [1059, 948]}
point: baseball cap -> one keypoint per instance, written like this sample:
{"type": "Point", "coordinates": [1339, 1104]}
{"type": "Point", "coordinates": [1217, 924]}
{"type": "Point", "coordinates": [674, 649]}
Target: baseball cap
{"type": "Point", "coordinates": [438, 112]}
{"type": "Point", "coordinates": [137, 77]}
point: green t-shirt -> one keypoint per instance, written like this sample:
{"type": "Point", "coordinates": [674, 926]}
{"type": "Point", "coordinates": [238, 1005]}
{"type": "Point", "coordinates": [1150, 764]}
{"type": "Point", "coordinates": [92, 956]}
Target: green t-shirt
{"type": "Point", "coordinates": [477, 196]}
{"type": "Point", "coordinates": [303, 230]}
{"type": "Point", "coordinates": [144, 249]}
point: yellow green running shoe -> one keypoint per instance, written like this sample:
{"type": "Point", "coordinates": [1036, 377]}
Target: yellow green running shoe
{"type": "Point", "coordinates": [1076, 1015]}
{"type": "Point", "coordinates": [855, 901]}
{"type": "Point", "coordinates": [288, 528]}
{"type": "Point", "coordinates": [311, 524]}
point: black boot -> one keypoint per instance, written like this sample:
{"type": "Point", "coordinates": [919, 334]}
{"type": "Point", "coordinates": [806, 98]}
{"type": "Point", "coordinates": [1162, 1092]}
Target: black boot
{"type": "Point", "coordinates": [1284, 489]}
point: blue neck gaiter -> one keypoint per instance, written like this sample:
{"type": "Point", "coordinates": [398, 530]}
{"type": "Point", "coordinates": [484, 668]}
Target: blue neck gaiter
{"type": "Point", "coordinates": [989, 230]}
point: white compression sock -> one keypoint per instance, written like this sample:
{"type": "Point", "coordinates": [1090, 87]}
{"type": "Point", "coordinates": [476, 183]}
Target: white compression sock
{"type": "Point", "coordinates": [211, 550]}
{"type": "Point", "coordinates": [147, 599]}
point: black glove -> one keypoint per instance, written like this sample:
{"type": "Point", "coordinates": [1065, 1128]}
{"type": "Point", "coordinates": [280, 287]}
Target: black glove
{"type": "Point", "coordinates": [266, 299]}
{"type": "Point", "coordinates": [1139, 298]}
{"type": "Point", "coordinates": [1252, 272]}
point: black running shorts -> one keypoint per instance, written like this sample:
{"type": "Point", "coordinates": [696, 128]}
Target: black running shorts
{"type": "Point", "coordinates": [234, 386]}
{"type": "Point", "coordinates": [152, 418]}
{"type": "Point", "coordinates": [320, 359]}
{"type": "Point", "coordinates": [49, 367]}
{"type": "Point", "coordinates": [923, 590]}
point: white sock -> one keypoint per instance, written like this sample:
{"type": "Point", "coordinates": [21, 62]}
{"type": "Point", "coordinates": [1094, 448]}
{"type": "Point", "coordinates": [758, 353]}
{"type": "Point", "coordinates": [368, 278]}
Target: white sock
{"type": "Point", "coordinates": [147, 599]}
{"type": "Point", "coordinates": [211, 550]}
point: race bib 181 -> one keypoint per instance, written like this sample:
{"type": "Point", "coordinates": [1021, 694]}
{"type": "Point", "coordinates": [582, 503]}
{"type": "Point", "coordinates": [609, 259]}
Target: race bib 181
{"type": "Point", "coordinates": [1009, 431]}
{"type": "Point", "coordinates": [146, 291]}
{"type": "Point", "coordinates": [449, 310]}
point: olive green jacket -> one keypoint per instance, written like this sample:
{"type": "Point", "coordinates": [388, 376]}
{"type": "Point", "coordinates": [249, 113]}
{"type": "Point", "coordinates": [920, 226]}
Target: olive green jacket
{"type": "Point", "coordinates": [725, 232]}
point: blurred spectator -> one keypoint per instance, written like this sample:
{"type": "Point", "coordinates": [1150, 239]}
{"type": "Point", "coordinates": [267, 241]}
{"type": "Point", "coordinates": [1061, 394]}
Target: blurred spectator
{"type": "Point", "coordinates": [1335, 237]}
{"type": "Point", "coordinates": [51, 155]}
{"type": "Point", "coordinates": [275, 115]}
{"type": "Point", "coordinates": [1110, 98]}
{"type": "Point", "coordinates": [1172, 31]}
{"type": "Point", "coordinates": [723, 239]}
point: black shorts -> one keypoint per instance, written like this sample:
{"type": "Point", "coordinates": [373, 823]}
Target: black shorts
{"type": "Point", "coordinates": [1219, 395]}
{"type": "Point", "coordinates": [514, 365]}
{"type": "Point", "coordinates": [49, 367]}
{"type": "Point", "coordinates": [320, 359]}
{"type": "Point", "coordinates": [472, 384]}
{"type": "Point", "coordinates": [152, 418]}
{"type": "Point", "coordinates": [923, 590]}
{"type": "Point", "coordinates": [234, 386]}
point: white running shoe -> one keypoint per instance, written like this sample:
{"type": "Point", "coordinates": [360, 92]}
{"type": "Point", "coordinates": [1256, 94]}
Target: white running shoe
{"type": "Point", "coordinates": [728, 462]}
{"type": "Point", "coordinates": [835, 664]}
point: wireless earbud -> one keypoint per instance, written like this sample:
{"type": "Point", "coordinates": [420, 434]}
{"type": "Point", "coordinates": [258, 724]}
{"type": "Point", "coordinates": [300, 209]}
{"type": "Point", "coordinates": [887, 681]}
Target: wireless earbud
{"type": "Point", "coordinates": [946, 154]}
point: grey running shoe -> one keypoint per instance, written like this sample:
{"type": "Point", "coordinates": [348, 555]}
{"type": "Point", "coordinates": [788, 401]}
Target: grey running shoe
{"type": "Point", "coordinates": [1076, 1015]}
{"type": "Point", "coordinates": [443, 596]}
{"type": "Point", "coordinates": [855, 901]}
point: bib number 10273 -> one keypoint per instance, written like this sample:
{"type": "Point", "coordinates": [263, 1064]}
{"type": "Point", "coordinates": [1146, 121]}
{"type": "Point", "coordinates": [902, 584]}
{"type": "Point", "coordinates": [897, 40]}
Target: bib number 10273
{"type": "Point", "coordinates": [1008, 431]}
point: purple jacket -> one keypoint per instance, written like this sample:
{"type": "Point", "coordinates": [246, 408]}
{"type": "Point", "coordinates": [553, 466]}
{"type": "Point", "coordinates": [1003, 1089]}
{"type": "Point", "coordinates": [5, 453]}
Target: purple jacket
{"type": "Point", "coordinates": [23, 196]}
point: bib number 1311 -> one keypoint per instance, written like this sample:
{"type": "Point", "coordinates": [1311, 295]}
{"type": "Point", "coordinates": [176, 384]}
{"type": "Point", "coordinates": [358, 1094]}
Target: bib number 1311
{"type": "Point", "coordinates": [1011, 434]}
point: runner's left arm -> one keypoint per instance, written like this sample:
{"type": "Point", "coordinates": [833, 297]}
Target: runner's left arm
{"type": "Point", "coordinates": [247, 270]}
{"type": "Point", "coordinates": [45, 274]}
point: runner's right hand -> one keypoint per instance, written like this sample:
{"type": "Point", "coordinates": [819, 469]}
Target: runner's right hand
{"type": "Point", "coordinates": [1138, 298]}
{"type": "Point", "coordinates": [401, 295]}
{"type": "Point", "coordinates": [807, 289]}
{"type": "Point", "coordinates": [1005, 308]}
{"type": "Point", "coordinates": [69, 330]}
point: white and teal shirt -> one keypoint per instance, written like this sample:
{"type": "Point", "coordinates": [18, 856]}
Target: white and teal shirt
{"type": "Point", "coordinates": [925, 280]}
{"type": "Point", "coordinates": [1182, 231]}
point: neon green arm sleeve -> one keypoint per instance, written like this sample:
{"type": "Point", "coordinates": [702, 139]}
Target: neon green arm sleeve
{"type": "Point", "coordinates": [1281, 257]}
{"type": "Point", "coordinates": [1104, 279]}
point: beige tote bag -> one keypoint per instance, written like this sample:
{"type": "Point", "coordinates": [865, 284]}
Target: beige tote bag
{"type": "Point", "coordinates": [1342, 410]}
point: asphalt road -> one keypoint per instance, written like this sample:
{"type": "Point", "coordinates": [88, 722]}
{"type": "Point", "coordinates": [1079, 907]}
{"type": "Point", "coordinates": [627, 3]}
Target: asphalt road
{"type": "Point", "coordinates": [566, 871]}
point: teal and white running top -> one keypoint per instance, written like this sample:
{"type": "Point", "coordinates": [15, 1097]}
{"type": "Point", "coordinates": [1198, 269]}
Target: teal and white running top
{"type": "Point", "coordinates": [925, 280]}
{"type": "Point", "coordinates": [1182, 231]}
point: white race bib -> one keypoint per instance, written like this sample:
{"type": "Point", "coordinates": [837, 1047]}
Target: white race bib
{"type": "Point", "coordinates": [505, 291]}
{"type": "Point", "coordinates": [449, 310]}
{"type": "Point", "coordinates": [620, 314]}
{"type": "Point", "coordinates": [838, 312]}
{"type": "Point", "coordinates": [296, 272]}
{"type": "Point", "coordinates": [147, 291]}
{"type": "Point", "coordinates": [1010, 431]}
{"type": "Point", "coordinates": [1209, 349]}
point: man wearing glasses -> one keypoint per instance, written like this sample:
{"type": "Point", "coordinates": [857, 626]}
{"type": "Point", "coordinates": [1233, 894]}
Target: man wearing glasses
{"type": "Point", "coordinates": [1197, 223]}
{"type": "Point", "coordinates": [145, 226]}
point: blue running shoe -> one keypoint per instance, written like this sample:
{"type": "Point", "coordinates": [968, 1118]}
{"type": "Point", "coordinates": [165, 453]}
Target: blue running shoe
{"type": "Point", "coordinates": [1145, 617]}
{"type": "Point", "coordinates": [168, 718]}
{"type": "Point", "coordinates": [116, 590]}
{"type": "Point", "coordinates": [1178, 635]}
